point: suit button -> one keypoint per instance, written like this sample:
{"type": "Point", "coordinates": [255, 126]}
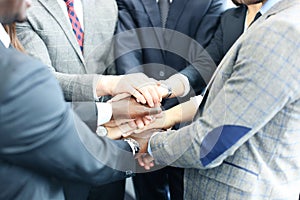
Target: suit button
{"type": "Point", "coordinates": [162, 73]}
{"type": "Point", "coordinates": [128, 174]}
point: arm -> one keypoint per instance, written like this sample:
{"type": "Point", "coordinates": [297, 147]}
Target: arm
{"type": "Point", "coordinates": [252, 97]}
{"type": "Point", "coordinates": [126, 59]}
{"type": "Point", "coordinates": [51, 139]}
{"type": "Point", "coordinates": [180, 113]}
{"type": "Point", "coordinates": [202, 66]}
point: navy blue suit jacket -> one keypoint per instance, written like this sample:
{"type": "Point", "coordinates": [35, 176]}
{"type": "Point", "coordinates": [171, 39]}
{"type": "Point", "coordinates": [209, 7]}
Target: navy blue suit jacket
{"type": "Point", "coordinates": [189, 21]}
{"type": "Point", "coordinates": [229, 30]}
{"type": "Point", "coordinates": [43, 144]}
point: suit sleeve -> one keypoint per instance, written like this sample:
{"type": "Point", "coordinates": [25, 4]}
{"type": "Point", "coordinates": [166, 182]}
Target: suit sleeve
{"type": "Point", "coordinates": [128, 52]}
{"type": "Point", "coordinates": [40, 132]}
{"type": "Point", "coordinates": [203, 66]}
{"type": "Point", "coordinates": [258, 94]}
{"type": "Point", "coordinates": [75, 86]}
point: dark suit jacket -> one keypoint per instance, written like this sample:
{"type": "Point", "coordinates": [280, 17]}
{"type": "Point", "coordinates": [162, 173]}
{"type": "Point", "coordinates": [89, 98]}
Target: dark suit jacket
{"type": "Point", "coordinates": [42, 142]}
{"type": "Point", "coordinates": [229, 30]}
{"type": "Point", "coordinates": [192, 21]}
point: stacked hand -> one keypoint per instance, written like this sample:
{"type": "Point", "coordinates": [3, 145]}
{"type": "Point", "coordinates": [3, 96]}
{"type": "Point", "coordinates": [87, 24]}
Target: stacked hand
{"type": "Point", "coordinates": [144, 159]}
{"type": "Point", "coordinates": [129, 115]}
{"type": "Point", "coordinates": [144, 89]}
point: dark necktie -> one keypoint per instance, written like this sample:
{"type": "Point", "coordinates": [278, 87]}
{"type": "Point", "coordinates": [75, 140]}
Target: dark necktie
{"type": "Point", "coordinates": [75, 23]}
{"type": "Point", "coordinates": [255, 18]}
{"type": "Point", "coordinates": [164, 10]}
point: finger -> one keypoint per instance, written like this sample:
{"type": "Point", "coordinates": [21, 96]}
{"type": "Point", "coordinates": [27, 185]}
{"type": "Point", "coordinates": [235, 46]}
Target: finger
{"type": "Point", "coordinates": [146, 121]}
{"type": "Point", "coordinates": [140, 161]}
{"type": "Point", "coordinates": [139, 97]}
{"type": "Point", "coordinates": [147, 96]}
{"type": "Point", "coordinates": [119, 97]}
{"type": "Point", "coordinates": [154, 94]}
{"type": "Point", "coordinates": [154, 110]}
{"type": "Point", "coordinates": [126, 128]}
{"type": "Point", "coordinates": [147, 159]}
{"type": "Point", "coordinates": [119, 122]}
{"type": "Point", "coordinates": [124, 135]}
{"type": "Point", "coordinates": [139, 123]}
{"type": "Point", "coordinates": [111, 123]}
{"type": "Point", "coordinates": [132, 124]}
{"type": "Point", "coordinates": [148, 166]}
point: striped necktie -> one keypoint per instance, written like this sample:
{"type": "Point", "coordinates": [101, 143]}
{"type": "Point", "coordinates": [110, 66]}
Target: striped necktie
{"type": "Point", "coordinates": [75, 23]}
{"type": "Point", "coordinates": [164, 10]}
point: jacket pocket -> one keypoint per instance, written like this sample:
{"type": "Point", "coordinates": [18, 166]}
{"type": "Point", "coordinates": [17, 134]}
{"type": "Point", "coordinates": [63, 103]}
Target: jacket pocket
{"type": "Point", "coordinates": [233, 175]}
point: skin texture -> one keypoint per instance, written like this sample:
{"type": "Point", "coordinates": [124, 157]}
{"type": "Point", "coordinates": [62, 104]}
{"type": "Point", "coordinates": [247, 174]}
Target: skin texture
{"type": "Point", "coordinates": [13, 10]}
{"type": "Point", "coordinates": [133, 109]}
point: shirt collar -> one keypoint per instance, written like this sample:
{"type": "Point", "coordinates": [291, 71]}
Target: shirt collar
{"type": "Point", "coordinates": [4, 37]}
{"type": "Point", "coordinates": [169, 0]}
{"type": "Point", "coordinates": [266, 6]}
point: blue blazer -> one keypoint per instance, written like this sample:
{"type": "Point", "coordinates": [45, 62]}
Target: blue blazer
{"type": "Point", "coordinates": [193, 19]}
{"type": "Point", "coordinates": [43, 144]}
{"type": "Point", "coordinates": [229, 30]}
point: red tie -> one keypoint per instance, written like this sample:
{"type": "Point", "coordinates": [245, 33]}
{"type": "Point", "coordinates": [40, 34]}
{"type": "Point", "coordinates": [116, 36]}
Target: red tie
{"type": "Point", "coordinates": [75, 23]}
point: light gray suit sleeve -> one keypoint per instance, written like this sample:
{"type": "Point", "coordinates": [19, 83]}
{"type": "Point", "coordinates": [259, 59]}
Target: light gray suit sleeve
{"type": "Point", "coordinates": [39, 131]}
{"type": "Point", "coordinates": [255, 97]}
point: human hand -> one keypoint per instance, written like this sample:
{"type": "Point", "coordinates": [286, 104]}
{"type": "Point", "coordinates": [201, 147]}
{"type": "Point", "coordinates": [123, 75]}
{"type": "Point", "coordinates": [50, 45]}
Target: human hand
{"type": "Point", "coordinates": [144, 89]}
{"type": "Point", "coordinates": [164, 120]}
{"type": "Point", "coordinates": [145, 160]}
{"type": "Point", "coordinates": [116, 132]}
{"type": "Point", "coordinates": [128, 108]}
{"type": "Point", "coordinates": [124, 127]}
{"type": "Point", "coordinates": [143, 138]}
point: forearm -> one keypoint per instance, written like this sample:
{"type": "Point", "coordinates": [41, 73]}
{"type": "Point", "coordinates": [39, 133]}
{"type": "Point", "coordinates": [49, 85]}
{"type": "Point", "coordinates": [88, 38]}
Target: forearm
{"type": "Point", "coordinates": [184, 112]}
{"type": "Point", "coordinates": [77, 87]}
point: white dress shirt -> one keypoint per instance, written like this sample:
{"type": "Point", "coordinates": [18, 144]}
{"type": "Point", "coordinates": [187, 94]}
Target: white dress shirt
{"type": "Point", "coordinates": [104, 109]}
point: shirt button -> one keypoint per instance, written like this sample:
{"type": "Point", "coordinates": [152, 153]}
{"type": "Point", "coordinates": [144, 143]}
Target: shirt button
{"type": "Point", "coordinates": [162, 73]}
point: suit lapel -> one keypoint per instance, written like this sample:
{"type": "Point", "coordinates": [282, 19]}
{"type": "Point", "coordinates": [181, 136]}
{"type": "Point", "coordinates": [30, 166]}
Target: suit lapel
{"type": "Point", "coordinates": [176, 10]}
{"type": "Point", "coordinates": [88, 16]}
{"type": "Point", "coordinates": [152, 11]}
{"type": "Point", "coordinates": [55, 10]}
{"type": "Point", "coordinates": [228, 59]}
{"type": "Point", "coordinates": [236, 18]}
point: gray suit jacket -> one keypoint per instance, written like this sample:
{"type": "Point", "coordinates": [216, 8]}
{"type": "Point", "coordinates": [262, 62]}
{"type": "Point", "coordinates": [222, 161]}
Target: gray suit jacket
{"type": "Point", "coordinates": [43, 144]}
{"type": "Point", "coordinates": [48, 36]}
{"type": "Point", "coordinates": [246, 143]}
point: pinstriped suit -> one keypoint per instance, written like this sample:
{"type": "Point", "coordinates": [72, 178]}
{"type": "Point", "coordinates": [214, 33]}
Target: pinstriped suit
{"type": "Point", "coordinates": [246, 143]}
{"type": "Point", "coordinates": [48, 36]}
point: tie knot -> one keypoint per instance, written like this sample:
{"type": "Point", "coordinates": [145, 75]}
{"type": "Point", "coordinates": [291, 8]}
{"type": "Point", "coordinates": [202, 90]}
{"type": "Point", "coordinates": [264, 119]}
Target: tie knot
{"type": "Point", "coordinates": [69, 3]}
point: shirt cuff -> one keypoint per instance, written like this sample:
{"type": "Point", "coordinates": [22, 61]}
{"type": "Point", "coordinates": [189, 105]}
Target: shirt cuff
{"type": "Point", "coordinates": [197, 100]}
{"type": "Point", "coordinates": [104, 112]}
{"type": "Point", "coordinates": [149, 146]}
{"type": "Point", "coordinates": [186, 83]}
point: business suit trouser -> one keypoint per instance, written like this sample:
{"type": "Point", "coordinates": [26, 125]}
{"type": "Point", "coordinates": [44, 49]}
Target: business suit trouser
{"type": "Point", "coordinates": [114, 191]}
{"type": "Point", "coordinates": [159, 183]}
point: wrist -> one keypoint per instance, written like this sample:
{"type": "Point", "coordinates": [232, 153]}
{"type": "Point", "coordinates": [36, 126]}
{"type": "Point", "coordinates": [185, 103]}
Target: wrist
{"type": "Point", "coordinates": [134, 145]}
{"type": "Point", "coordinates": [106, 85]}
{"type": "Point", "coordinates": [174, 115]}
{"type": "Point", "coordinates": [165, 90]}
